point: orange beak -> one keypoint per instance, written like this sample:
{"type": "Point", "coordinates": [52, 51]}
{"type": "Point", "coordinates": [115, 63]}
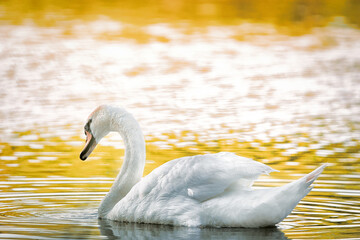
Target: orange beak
{"type": "Point", "coordinates": [89, 146]}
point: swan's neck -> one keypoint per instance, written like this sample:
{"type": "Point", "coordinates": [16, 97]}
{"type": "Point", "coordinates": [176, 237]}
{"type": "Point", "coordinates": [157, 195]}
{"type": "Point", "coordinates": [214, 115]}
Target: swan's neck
{"type": "Point", "coordinates": [133, 166]}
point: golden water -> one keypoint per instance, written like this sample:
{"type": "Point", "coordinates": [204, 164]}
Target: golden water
{"type": "Point", "coordinates": [281, 87]}
{"type": "Point", "coordinates": [47, 191]}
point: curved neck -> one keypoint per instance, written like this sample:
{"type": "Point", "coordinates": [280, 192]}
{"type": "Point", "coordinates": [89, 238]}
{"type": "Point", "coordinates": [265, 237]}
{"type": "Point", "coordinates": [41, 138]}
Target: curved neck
{"type": "Point", "coordinates": [133, 166]}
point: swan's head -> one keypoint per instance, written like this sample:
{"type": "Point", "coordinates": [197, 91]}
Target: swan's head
{"type": "Point", "coordinates": [98, 125]}
{"type": "Point", "coordinates": [105, 119]}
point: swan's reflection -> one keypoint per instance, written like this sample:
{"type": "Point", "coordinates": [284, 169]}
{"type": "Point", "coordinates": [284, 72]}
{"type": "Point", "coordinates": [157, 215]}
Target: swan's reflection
{"type": "Point", "coordinates": [116, 230]}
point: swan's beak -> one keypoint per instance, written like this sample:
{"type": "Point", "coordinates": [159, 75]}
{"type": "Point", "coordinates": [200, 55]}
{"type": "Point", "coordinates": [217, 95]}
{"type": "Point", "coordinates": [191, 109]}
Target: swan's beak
{"type": "Point", "coordinates": [89, 146]}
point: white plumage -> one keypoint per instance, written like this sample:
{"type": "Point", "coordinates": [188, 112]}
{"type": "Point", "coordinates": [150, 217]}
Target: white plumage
{"type": "Point", "coordinates": [203, 190]}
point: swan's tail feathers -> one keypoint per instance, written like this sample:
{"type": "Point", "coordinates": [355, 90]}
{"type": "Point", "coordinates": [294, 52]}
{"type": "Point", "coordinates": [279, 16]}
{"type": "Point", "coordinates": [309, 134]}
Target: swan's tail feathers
{"type": "Point", "coordinates": [311, 177]}
{"type": "Point", "coordinates": [301, 187]}
{"type": "Point", "coordinates": [289, 195]}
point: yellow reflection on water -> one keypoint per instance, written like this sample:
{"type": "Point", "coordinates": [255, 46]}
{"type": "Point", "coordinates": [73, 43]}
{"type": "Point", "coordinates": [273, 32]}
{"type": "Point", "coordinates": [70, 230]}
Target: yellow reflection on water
{"type": "Point", "coordinates": [45, 173]}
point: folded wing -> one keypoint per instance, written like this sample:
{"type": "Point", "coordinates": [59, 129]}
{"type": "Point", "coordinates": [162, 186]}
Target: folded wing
{"type": "Point", "coordinates": [203, 177]}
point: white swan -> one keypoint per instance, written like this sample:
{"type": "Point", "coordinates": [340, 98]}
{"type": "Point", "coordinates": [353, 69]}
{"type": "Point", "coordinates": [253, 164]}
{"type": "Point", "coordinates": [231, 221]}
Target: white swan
{"type": "Point", "coordinates": [203, 190]}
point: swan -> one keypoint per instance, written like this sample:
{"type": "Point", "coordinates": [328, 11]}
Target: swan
{"type": "Point", "coordinates": [211, 190]}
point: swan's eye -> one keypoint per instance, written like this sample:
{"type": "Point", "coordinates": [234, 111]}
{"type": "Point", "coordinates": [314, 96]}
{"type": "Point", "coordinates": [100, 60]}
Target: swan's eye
{"type": "Point", "coordinates": [87, 126]}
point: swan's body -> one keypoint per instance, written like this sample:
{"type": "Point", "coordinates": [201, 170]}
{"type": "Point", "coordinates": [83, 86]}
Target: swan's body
{"type": "Point", "coordinates": [202, 190]}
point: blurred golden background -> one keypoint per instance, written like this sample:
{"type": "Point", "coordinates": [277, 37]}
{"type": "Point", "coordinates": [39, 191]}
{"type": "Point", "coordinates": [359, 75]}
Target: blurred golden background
{"type": "Point", "coordinates": [277, 81]}
{"type": "Point", "coordinates": [297, 13]}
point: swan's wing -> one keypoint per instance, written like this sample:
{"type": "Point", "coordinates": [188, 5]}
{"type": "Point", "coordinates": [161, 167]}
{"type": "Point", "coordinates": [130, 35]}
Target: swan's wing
{"type": "Point", "coordinates": [212, 174]}
{"type": "Point", "coordinates": [203, 177]}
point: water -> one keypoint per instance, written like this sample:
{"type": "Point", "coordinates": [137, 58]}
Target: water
{"type": "Point", "coordinates": [292, 102]}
